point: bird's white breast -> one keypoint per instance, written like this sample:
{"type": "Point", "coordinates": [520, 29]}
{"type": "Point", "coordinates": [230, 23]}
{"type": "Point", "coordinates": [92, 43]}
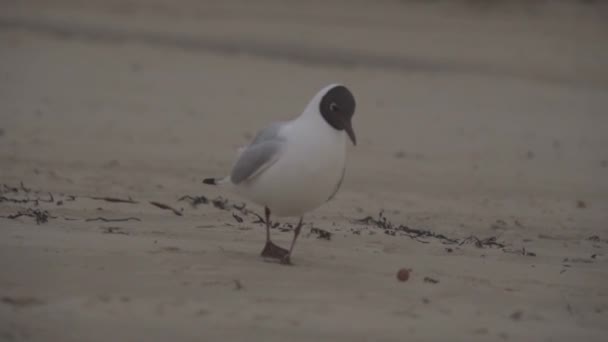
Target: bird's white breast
{"type": "Point", "coordinates": [307, 172]}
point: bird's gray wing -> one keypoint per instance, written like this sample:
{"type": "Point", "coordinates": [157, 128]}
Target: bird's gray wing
{"type": "Point", "coordinates": [269, 133]}
{"type": "Point", "coordinates": [263, 151]}
{"type": "Point", "coordinates": [338, 185]}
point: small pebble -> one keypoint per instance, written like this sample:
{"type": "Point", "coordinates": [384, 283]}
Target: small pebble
{"type": "Point", "coordinates": [403, 274]}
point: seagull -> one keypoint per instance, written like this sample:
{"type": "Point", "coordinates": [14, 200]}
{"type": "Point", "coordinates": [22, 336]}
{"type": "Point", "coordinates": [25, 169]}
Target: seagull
{"type": "Point", "coordinates": [293, 167]}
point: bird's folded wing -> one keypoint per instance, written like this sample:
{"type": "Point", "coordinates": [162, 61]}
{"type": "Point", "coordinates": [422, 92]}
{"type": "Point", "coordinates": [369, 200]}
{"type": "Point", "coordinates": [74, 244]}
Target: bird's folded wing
{"type": "Point", "coordinates": [254, 160]}
{"type": "Point", "coordinates": [261, 153]}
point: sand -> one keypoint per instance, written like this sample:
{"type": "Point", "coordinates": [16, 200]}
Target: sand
{"type": "Point", "coordinates": [474, 119]}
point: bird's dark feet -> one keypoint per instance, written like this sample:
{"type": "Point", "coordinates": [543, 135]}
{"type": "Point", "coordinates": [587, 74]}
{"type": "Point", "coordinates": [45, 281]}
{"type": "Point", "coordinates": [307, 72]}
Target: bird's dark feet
{"type": "Point", "coordinates": [275, 252]}
{"type": "Point", "coordinates": [286, 260]}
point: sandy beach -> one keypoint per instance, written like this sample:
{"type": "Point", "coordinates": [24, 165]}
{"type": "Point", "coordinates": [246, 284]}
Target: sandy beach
{"type": "Point", "coordinates": [481, 165]}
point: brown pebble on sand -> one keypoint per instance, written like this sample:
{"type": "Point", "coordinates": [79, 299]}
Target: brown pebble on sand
{"type": "Point", "coordinates": [403, 274]}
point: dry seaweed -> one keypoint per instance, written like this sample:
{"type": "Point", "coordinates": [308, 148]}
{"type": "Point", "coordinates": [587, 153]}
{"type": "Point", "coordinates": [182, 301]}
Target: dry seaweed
{"type": "Point", "coordinates": [321, 233]}
{"type": "Point", "coordinates": [224, 204]}
{"type": "Point", "coordinates": [422, 235]}
{"type": "Point", "coordinates": [166, 207]}
{"type": "Point", "coordinates": [41, 216]}
{"type": "Point", "coordinates": [220, 203]}
{"type": "Point", "coordinates": [194, 201]}
{"type": "Point", "coordinates": [481, 243]}
{"type": "Point", "coordinates": [402, 230]}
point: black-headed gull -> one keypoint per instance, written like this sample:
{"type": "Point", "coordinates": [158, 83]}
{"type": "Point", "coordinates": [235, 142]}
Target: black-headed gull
{"type": "Point", "coordinates": [293, 167]}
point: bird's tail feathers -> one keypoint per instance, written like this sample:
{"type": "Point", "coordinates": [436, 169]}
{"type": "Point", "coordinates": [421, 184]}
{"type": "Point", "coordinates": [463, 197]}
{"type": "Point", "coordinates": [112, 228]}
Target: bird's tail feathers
{"type": "Point", "coordinates": [216, 181]}
{"type": "Point", "coordinates": [210, 181]}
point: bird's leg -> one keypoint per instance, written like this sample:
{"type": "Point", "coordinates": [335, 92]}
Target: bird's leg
{"type": "Point", "coordinates": [270, 249]}
{"type": "Point", "coordinates": [287, 258]}
{"type": "Point", "coordinates": [267, 215]}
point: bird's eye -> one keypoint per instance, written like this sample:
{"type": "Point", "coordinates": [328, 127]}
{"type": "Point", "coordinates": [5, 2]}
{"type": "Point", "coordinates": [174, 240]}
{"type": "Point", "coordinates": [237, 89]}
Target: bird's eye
{"type": "Point", "coordinates": [333, 107]}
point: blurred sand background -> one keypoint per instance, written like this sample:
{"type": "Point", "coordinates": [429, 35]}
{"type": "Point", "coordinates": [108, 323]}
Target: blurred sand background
{"type": "Point", "coordinates": [485, 118]}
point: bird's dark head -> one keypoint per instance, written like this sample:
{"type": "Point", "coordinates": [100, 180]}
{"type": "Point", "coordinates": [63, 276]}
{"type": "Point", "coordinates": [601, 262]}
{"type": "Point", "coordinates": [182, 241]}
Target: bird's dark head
{"type": "Point", "coordinates": [337, 107]}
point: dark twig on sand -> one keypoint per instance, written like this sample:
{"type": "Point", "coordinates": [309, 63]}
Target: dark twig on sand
{"type": "Point", "coordinates": [113, 230]}
{"type": "Point", "coordinates": [166, 207]}
{"type": "Point", "coordinates": [430, 280]}
{"type": "Point", "coordinates": [237, 218]}
{"type": "Point", "coordinates": [14, 200]}
{"type": "Point", "coordinates": [36, 200]}
{"type": "Point", "coordinates": [21, 302]}
{"type": "Point", "coordinates": [113, 220]}
{"type": "Point", "coordinates": [114, 199]}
